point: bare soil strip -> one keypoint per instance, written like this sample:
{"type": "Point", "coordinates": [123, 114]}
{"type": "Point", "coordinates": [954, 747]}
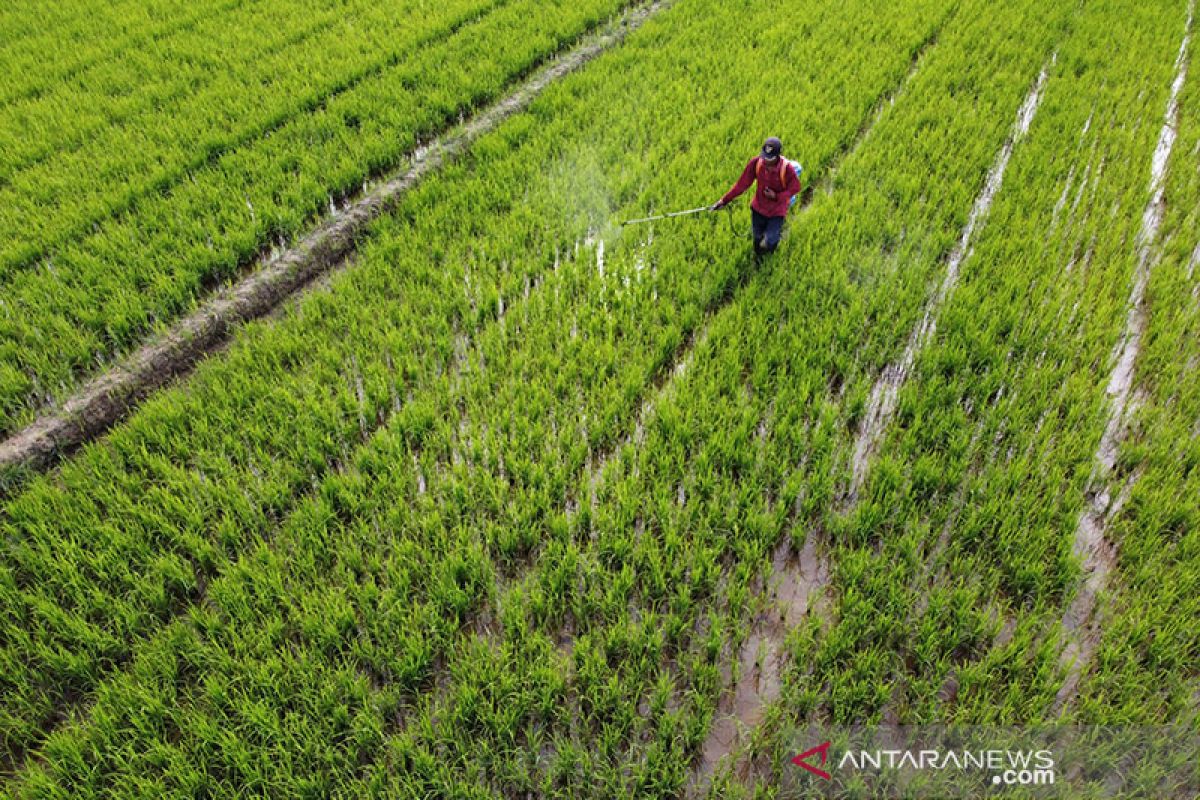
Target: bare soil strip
{"type": "Point", "coordinates": [1091, 545]}
{"type": "Point", "coordinates": [882, 402]}
{"type": "Point", "coordinates": [109, 397]}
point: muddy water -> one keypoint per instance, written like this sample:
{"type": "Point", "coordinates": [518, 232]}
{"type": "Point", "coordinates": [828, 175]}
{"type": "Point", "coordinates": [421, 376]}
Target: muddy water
{"type": "Point", "coordinates": [1006, 633]}
{"type": "Point", "coordinates": [794, 584]}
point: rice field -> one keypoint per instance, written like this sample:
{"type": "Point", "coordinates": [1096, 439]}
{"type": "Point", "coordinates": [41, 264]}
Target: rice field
{"type": "Point", "coordinates": [353, 447]}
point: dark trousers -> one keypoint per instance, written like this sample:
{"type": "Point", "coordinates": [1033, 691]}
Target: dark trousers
{"type": "Point", "coordinates": [767, 231]}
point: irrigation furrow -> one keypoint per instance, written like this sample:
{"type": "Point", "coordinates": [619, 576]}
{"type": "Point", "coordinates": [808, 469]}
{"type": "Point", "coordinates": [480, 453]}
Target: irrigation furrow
{"type": "Point", "coordinates": [163, 183]}
{"type": "Point", "coordinates": [327, 248]}
{"type": "Point", "coordinates": [882, 402]}
{"type": "Point", "coordinates": [107, 398]}
{"type": "Point", "coordinates": [796, 587]}
{"type": "Point", "coordinates": [1091, 545]}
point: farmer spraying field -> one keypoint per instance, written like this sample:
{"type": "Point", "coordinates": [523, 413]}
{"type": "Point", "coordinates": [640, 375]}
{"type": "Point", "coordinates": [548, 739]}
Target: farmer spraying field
{"type": "Point", "coordinates": [778, 184]}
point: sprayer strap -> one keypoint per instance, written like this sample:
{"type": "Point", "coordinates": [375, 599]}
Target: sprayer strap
{"type": "Point", "coordinates": [783, 165]}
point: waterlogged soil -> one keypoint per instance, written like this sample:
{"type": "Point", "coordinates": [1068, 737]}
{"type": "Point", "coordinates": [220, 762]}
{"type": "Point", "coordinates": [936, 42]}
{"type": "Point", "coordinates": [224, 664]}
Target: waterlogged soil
{"type": "Point", "coordinates": [1081, 623]}
{"type": "Point", "coordinates": [882, 402]}
{"type": "Point", "coordinates": [794, 589]}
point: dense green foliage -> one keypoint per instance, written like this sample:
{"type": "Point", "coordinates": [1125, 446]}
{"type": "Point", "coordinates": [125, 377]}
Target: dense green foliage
{"type": "Point", "coordinates": [489, 513]}
{"type": "Point", "coordinates": [169, 211]}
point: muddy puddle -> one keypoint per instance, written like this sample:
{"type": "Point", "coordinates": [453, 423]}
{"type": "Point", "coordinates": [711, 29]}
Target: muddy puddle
{"type": "Point", "coordinates": [793, 587]}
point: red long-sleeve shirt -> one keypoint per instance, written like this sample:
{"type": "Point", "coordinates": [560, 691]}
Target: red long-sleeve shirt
{"type": "Point", "coordinates": [768, 179]}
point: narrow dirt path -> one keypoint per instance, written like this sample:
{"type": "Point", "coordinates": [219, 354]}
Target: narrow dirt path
{"type": "Point", "coordinates": [882, 401]}
{"type": "Point", "coordinates": [109, 397]}
{"type": "Point", "coordinates": [1081, 623]}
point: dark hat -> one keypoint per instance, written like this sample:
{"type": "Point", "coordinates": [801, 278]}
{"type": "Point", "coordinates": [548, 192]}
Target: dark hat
{"type": "Point", "coordinates": [772, 147]}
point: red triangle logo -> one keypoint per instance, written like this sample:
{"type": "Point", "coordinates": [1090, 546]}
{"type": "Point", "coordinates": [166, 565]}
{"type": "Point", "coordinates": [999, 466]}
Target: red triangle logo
{"type": "Point", "coordinates": [821, 749]}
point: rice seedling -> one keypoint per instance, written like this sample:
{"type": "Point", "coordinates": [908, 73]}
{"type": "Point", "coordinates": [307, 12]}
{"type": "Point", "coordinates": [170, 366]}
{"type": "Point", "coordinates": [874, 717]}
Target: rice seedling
{"type": "Point", "coordinates": [514, 505]}
{"type": "Point", "coordinates": [199, 219]}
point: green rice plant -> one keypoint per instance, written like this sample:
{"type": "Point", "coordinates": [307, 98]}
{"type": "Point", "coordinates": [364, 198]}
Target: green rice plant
{"type": "Point", "coordinates": [49, 206]}
{"type": "Point", "coordinates": [45, 45]}
{"type": "Point", "coordinates": [133, 92]}
{"type": "Point", "coordinates": [335, 510]}
{"type": "Point", "coordinates": [97, 302]}
{"type": "Point", "coordinates": [1144, 670]}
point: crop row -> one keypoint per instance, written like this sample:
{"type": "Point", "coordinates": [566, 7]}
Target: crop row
{"type": "Point", "coordinates": [346, 360]}
{"type": "Point", "coordinates": [295, 63]}
{"type": "Point", "coordinates": [961, 549]}
{"type": "Point", "coordinates": [96, 300]}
